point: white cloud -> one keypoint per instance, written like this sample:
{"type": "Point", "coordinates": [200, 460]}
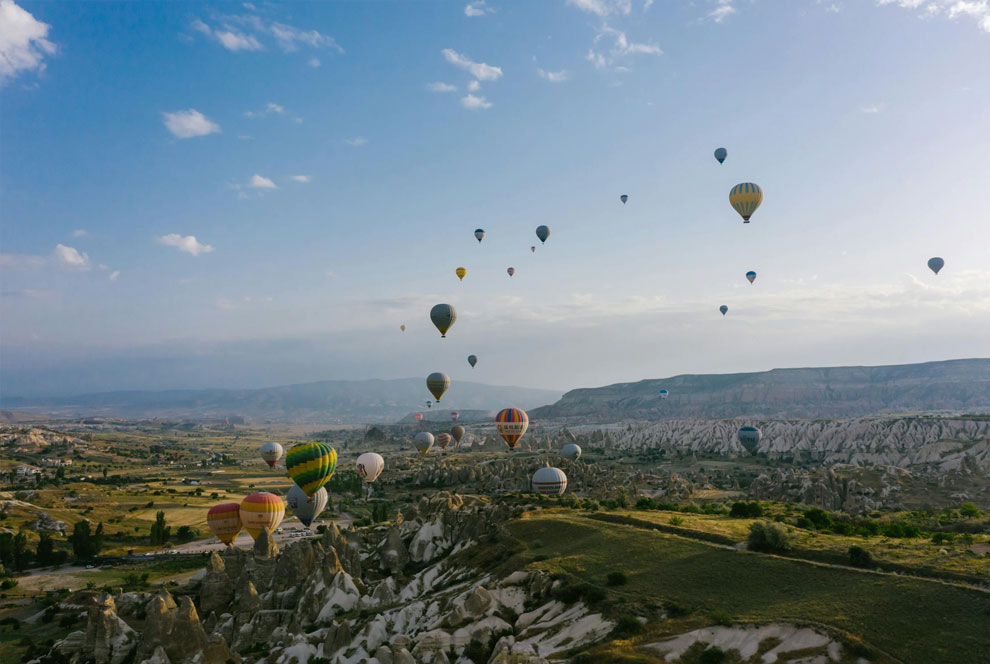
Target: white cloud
{"type": "Point", "coordinates": [477, 8]}
{"type": "Point", "coordinates": [79, 232]}
{"type": "Point", "coordinates": [474, 103]}
{"type": "Point", "coordinates": [261, 182]}
{"type": "Point", "coordinates": [553, 76]}
{"type": "Point", "coordinates": [473, 86]}
{"type": "Point", "coordinates": [313, 62]}
{"type": "Point", "coordinates": [23, 43]}
{"type": "Point", "coordinates": [21, 262]}
{"type": "Point", "coordinates": [723, 11]}
{"type": "Point", "coordinates": [301, 178]}
{"type": "Point", "coordinates": [356, 141]}
{"type": "Point", "coordinates": [188, 244]}
{"type": "Point", "coordinates": [440, 87]}
{"type": "Point", "coordinates": [189, 124]}
{"type": "Point", "coordinates": [480, 70]}
{"type": "Point", "coordinates": [870, 109]}
{"type": "Point", "coordinates": [621, 48]}
{"type": "Point", "coordinates": [234, 41]}
{"type": "Point", "coordinates": [223, 304]}
{"type": "Point", "coordinates": [114, 275]}
{"type": "Point", "coordinates": [647, 4]}
{"type": "Point", "coordinates": [70, 258]}
{"type": "Point", "coordinates": [246, 32]}
{"type": "Point", "coordinates": [605, 7]}
{"type": "Point", "coordinates": [977, 10]}
{"type": "Point", "coordinates": [289, 38]}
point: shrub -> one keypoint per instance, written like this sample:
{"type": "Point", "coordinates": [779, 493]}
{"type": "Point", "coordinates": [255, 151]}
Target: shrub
{"type": "Point", "coordinates": [566, 594]}
{"type": "Point", "coordinates": [819, 518]}
{"type": "Point", "coordinates": [676, 609]}
{"type": "Point", "coordinates": [802, 522]}
{"type": "Point", "coordinates": [768, 537]}
{"type": "Point", "coordinates": [943, 538]}
{"type": "Point", "coordinates": [616, 579]}
{"type": "Point", "coordinates": [720, 617]}
{"type": "Point", "coordinates": [626, 626]}
{"type": "Point", "coordinates": [7, 584]}
{"type": "Point", "coordinates": [645, 503]}
{"type": "Point", "coordinates": [744, 510]}
{"type": "Point", "coordinates": [591, 594]}
{"type": "Point", "coordinates": [676, 520]}
{"type": "Point", "coordinates": [860, 557]}
{"type": "Point", "coordinates": [712, 655]}
{"type": "Point", "coordinates": [969, 510]}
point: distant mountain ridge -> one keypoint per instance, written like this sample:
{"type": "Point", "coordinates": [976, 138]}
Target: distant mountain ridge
{"type": "Point", "coordinates": [956, 386]}
{"type": "Point", "coordinates": [324, 402]}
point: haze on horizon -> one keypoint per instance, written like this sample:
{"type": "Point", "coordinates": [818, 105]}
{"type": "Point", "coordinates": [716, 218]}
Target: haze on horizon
{"type": "Point", "coordinates": [200, 195]}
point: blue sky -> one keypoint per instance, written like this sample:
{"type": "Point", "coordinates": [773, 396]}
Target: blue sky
{"type": "Point", "coordinates": [232, 195]}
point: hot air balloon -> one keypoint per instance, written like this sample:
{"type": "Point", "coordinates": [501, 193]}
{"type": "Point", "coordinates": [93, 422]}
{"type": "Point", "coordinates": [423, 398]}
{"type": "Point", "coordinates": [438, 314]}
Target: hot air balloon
{"type": "Point", "coordinates": [721, 154]}
{"type": "Point", "coordinates": [479, 233]}
{"type": "Point", "coordinates": [460, 272]}
{"type": "Point", "coordinates": [429, 404]}
{"type": "Point", "coordinates": [402, 327]}
{"type": "Point", "coordinates": [437, 383]}
{"type": "Point", "coordinates": [262, 511]}
{"type": "Point", "coordinates": [369, 466]}
{"type": "Point", "coordinates": [454, 415]}
{"type": "Point", "coordinates": [745, 198]}
{"type": "Point", "coordinates": [443, 440]}
{"type": "Point", "coordinates": [571, 451]}
{"type": "Point", "coordinates": [511, 424]}
{"type": "Point", "coordinates": [543, 232]}
{"type": "Point", "coordinates": [750, 437]}
{"type": "Point", "coordinates": [511, 271]}
{"type": "Point", "coordinates": [419, 417]}
{"type": "Point", "coordinates": [457, 432]}
{"type": "Point", "coordinates": [472, 360]}
{"type": "Point", "coordinates": [311, 465]}
{"type": "Point", "coordinates": [935, 264]}
{"type": "Point", "coordinates": [423, 441]}
{"type": "Point", "coordinates": [751, 276]}
{"type": "Point", "coordinates": [624, 198]}
{"type": "Point", "coordinates": [533, 248]}
{"type": "Point", "coordinates": [271, 452]}
{"type": "Point", "coordinates": [443, 316]}
{"type": "Point", "coordinates": [224, 521]}
{"type": "Point", "coordinates": [307, 509]}
{"type": "Point", "coordinates": [724, 309]}
{"type": "Point", "coordinates": [664, 394]}
{"type": "Point", "coordinates": [549, 481]}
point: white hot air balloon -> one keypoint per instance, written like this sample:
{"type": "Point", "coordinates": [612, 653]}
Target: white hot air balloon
{"type": "Point", "coordinates": [571, 451]}
{"type": "Point", "coordinates": [549, 481]}
{"type": "Point", "coordinates": [423, 441]}
{"type": "Point", "coordinates": [271, 452]}
{"type": "Point", "coordinates": [369, 466]}
{"type": "Point", "coordinates": [305, 508]}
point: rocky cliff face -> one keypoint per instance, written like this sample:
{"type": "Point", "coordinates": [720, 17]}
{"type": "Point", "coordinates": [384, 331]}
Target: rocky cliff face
{"type": "Point", "coordinates": [392, 595]}
{"type": "Point", "coordinates": [956, 386]}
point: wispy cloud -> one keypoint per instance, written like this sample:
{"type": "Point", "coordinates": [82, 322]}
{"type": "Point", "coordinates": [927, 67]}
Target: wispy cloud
{"type": "Point", "coordinates": [439, 86]}
{"type": "Point", "coordinates": [249, 32]}
{"type": "Point", "coordinates": [79, 232]}
{"type": "Point", "coordinates": [301, 178]}
{"type": "Point", "coordinates": [356, 141]}
{"type": "Point", "coordinates": [477, 8]}
{"type": "Point", "coordinates": [869, 110]}
{"type": "Point", "coordinates": [114, 275]}
{"type": "Point", "coordinates": [480, 70]}
{"type": "Point", "coordinates": [474, 103]}
{"type": "Point", "coordinates": [553, 76]}
{"type": "Point", "coordinates": [313, 62]}
{"type": "Point", "coordinates": [70, 258]}
{"type": "Point", "coordinates": [261, 182]}
{"type": "Point", "coordinates": [977, 10]}
{"type": "Point", "coordinates": [21, 262]}
{"type": "Point", "coordinates": [723, 10]}
{"type": "Point", "coordinates": [189, 123]}
{"type": "Point", "coordinates": [271, 108]}
{"type": "Point", "coordinates": [621, 48]}
{"type": "Point", "coordinates": [605, 7]}
{"type": "Point", "coordinates": [23, 42]}
{"type": "Point", "coordinates": [473, 86]}
{"type": "Point", "coordinates": [188, 243]}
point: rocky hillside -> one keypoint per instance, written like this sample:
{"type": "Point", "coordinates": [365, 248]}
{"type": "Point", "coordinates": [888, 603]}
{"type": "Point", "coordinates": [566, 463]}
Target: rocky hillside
{"type": "Point", "coordinates": [954, 386]}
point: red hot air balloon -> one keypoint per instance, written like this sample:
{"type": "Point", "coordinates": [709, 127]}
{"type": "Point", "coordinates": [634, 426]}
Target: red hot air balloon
{"type": "Point", "coordinates": [511, 424]}
{"type": "Point", "coordinates": [454, 415]}
{"type": "Point", "coordinates": [443, 440]}
{"type": "Point", "coordinates": [419, 417]}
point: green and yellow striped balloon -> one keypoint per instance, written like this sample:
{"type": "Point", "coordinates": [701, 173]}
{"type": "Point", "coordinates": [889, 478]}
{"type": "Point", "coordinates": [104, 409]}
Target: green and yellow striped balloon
{"type": "Point", "coordinates": [311, 465]}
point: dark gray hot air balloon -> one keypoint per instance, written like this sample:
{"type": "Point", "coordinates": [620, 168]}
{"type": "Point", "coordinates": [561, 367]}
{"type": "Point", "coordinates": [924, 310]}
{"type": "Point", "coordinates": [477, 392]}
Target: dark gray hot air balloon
{"type": "Point", "coordinates": [721, 154]}
{"type": "Point", "coordinates": [935, 264]}
{"type": "Point", "coordinates": [472, 360]}
{"type": "Point", "coordinates": [443, 316]}
{"type": "Point", "coordinates": [624, 198]}
{"type": "Point", "coordinates": [437, 383]}
{"type": "Point", "coordinates": [479, 233]}
{"type": "Point", "coordinates": [543, 232]}
{"type": "Point", "coordinates": [749, 437]}
{"type": "Point", "coordinates": [751, 276]}
{"type": "Point", "coordinates": [724, 309]}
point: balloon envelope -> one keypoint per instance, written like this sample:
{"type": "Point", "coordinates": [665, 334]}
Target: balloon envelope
{"type": "Point", "coordinates": [480, 234]}
{"type": "Point", "coordinates": [261, 510]}
{"type": "Point", "coordinates": [935, 264]}
{"type": "Point", "coordinates": [419, 417]}
{"type": "Point", "coordinates": [443, 440]}
{"type": "Point", "coordinates": [533, 248]}
{"type": "Point", "coordinates": [751, 276]}
{"type": "Point", "coordinates": [457, 432]}
{"type": "Point", "coordinates": [549, 481]}
{"type": "Point", "coordinates": [543, 232]}
{"type": "Point", "coordinates": [724, 309]}
{"type": "Point", "coordinates": [511, 271]}
{"type": "Point", "coordinates": [454, 415]}
{"type": "Point", "coordinates": [664, 394]}
{"type": "Point", "coordinates": [311, 465]}
{"type": "Point", "coordinates": [271, 452]}
{"type": "Point", "coordinates": [571, 451]}
{"type": "Point", "coordinates": [402, 327]}
{"type": "Point", "coordinates": [460, 272]}
{"type": "Point", "coordinates": [624, 198]}
{"type": "Point", "coordinates": [437, 383]}
{"type": "Point", "coordinates": [307, 508]}
{"type": "Point", "coordinates": [721, 154]}
{"type": "Point", "coordinates": [443, 316]}
{"type": "Point", "coordinates": [745, 198]}
{"type": "Point", "coordinates": [224, 521]}
{"type": "Point", "coordinates": [423, 441]}
{"type": "Point", "coordinates": [511, 424]}
{"type": "Point", "coordinates": [750, 437]}
{"type": "Point", "coordinates": [472, 360]}
{"type": "Point", "coordinates": [370, 465]}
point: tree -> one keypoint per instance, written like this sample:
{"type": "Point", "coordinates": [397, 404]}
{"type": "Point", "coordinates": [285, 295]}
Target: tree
{"type": "Point", "coordinates": [768, 537]}
{"type": "Point", "coordinates": [159, 530]}
{"type": "Point", "coordinates": [819, 518]}
{"type": "Point", "coordinates": [860, 557]}
{"type": "Point", "coordinates": [743, 510]}
{"type": "Point", "coordinates": [969, 510]}
{"type": "Point", "coordinates": [20, 551]}
{"type": "Point", "coordinates": [45, 553]}
{"type": "Point", "coordinates": [85, 545]}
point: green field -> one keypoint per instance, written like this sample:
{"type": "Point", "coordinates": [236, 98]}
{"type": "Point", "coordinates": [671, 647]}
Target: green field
{"type": "Point", "coordinates": [910, 619]}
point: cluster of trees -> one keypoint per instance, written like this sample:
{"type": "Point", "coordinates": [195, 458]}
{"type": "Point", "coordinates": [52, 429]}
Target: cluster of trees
{"type": "Point", "coordinates": [160, 531]}
{"type": "Point", "coordinates": [86, 545]}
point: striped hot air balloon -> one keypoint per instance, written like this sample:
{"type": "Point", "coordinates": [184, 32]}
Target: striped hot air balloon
{"type": "Point", "coordinates": [443, 440]}
{"type": "Point", "coordinates": [311, 465]}
{"type": "Point", "coordinates": [511, 424]}
{"type": "Point", "coordinates": [550, 481]}
{"type": "Point", "coordinates": [745, 198]}
{"type": "Point", "coordinates": [261, 511]}
{"type": "Point", "coordinates": [224, 521]}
